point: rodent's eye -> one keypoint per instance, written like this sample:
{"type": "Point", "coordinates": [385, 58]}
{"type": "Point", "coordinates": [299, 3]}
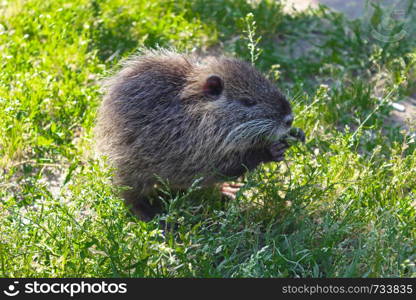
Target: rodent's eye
{"type": "Point", "coordinates": [248, 102]}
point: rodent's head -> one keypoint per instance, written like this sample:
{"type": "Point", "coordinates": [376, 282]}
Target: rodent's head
{"type": "Point", "coordinates": [243, 106]}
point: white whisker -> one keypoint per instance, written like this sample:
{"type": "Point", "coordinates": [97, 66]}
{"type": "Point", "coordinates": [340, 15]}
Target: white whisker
{"type": "Point", "coordinates": [248, 133]}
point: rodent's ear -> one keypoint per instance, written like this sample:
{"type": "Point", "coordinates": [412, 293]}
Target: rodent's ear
{"type": "Point", "coordinates": [213, 86]}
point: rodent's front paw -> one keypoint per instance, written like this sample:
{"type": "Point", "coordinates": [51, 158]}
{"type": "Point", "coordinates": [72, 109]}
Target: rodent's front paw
{"type": "Point", "coordinates": [296, 135]}
{"type": "Point", "coordinates": [277, 150]}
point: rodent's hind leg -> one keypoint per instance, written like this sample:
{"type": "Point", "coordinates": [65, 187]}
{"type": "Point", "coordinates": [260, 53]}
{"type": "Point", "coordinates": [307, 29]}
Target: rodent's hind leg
{"type": "Point", "coordinates": [230, 190]}
{"type": "Point", "coordinates": [141, 206]}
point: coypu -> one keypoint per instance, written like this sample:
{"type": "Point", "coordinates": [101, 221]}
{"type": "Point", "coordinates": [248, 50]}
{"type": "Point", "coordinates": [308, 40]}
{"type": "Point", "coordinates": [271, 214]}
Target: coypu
{"type": "Point", "coordinates": [183, 117]}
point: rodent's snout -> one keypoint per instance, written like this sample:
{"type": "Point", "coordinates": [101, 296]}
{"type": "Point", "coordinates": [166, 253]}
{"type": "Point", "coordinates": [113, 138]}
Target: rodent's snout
{"type": "Point", "coordinates": [288, 120]}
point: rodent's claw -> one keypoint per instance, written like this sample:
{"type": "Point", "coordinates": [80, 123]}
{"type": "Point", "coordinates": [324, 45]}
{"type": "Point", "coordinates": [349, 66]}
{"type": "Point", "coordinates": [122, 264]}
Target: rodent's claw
{"type": "Point", "coordinates": [297, 134]}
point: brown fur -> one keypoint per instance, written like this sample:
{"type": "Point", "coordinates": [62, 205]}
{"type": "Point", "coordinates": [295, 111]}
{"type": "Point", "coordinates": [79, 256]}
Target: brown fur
{"type": "Point", "coordinates": [157, 119]}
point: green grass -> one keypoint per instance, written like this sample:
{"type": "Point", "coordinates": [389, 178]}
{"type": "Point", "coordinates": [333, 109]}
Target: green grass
{"type": "Point", "coordinates": [343, 205]}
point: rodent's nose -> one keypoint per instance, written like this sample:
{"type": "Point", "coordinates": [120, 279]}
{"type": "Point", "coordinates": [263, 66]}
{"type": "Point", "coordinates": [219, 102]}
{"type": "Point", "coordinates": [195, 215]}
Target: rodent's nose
{"type": "Point", "coordinates": [288, 120]}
